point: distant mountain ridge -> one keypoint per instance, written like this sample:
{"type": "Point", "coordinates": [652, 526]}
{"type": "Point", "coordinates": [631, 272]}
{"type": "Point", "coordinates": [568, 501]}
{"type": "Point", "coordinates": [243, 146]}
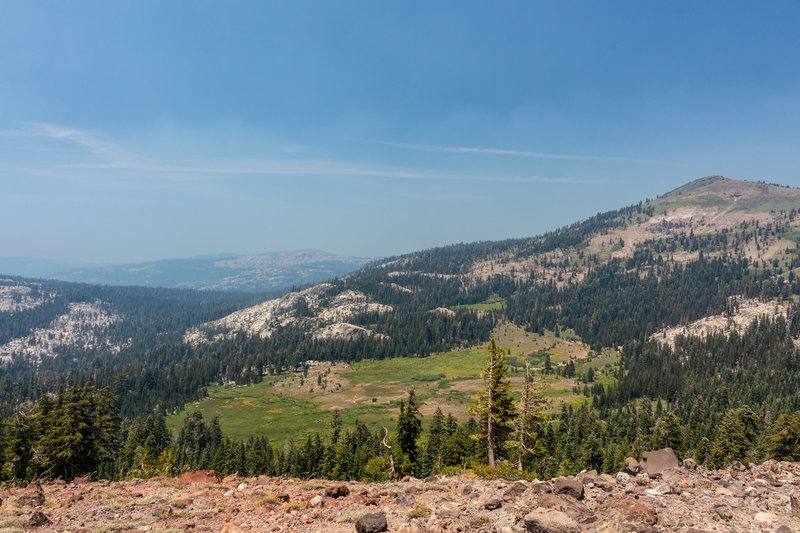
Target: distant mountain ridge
{"type": "Point", "coordinates": [225, 272]}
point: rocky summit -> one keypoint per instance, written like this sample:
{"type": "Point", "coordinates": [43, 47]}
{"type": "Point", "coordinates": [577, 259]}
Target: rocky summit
{"type": "Point", "coordinates": [681, 498]}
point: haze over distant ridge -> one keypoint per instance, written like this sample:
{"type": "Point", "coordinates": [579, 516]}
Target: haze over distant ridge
{"type": "Point", "coordinates": [228, 272]}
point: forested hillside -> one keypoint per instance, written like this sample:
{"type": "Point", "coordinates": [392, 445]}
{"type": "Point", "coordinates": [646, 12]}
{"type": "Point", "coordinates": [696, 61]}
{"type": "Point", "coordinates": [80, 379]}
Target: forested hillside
{"type": "Point", "coordinates": [617, 281]}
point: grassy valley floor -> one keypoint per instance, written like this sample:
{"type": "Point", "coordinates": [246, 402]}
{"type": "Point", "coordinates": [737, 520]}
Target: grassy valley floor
{"type": "Point", "coordinates": [295, 405]}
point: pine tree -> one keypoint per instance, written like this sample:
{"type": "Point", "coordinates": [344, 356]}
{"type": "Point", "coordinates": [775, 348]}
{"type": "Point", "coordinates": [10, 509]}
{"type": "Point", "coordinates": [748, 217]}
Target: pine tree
{"type": "Point", "coordinates": [784, 441]}
{"type": "Point", "coordinates": [432, 461]}
{"type": "Point", "coordinates": [667, 433]}
{"type": "Point", "coordinates": [409, 427]}
{"type": "Point", "coordinates": [494, 404]}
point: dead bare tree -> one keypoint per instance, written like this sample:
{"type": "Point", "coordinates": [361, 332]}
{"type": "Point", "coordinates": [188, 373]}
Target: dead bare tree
{"type": "Point", "coordinates": [391, 457]}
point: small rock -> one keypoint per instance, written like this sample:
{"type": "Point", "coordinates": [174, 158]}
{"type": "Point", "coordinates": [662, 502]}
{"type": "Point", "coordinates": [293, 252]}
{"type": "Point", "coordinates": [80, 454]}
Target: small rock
{"type": "Point", "coordinates": [570, 486]}
{"type": "Point", "coordinates": [243, 485]}
{"type": "Point", "coordinates": [736, 466]}
{"type": "Point", "coordinates": [32, 496]}
{"type": "Point", "coordinates": [631, 466]}
{"type": "Point", "coordinates": [492, 502]}
{"type": "Point", "coordinates": [606, 482]}
{"type": "Point", "coordinates": [636, 511]}
{"type": "Point", "coordinates": [630, 488]}
{"type": "Point", "coordinates": [201, 476]}
{"type": "Point", "coordinates": [515, 491]}
{"type": "Point", "coordinates": [406, 499]}
{"type": "Point", "coordinates": [622, 478]}
{"type": "Point", "coordinates": [304, 518]}
{"type": "Point", "coordinates": [767, 518]}
{"type": "Point", "coordinates": [317, 501]}
{"type": "Point", "coordinates": [230, 527]}
{"type": "Point", "coordinates": [337, 491]}
{"type": "Point", "coordinates": [542, 487]}
{"type": "Point", "coordinates": [372, 523]}
{"type": "Point", "coordinates": [660, 490]}
{"type": "Point", "coordinates": [412, 527]}
{"type": "Point", "coordinates": [794, 500]}
{"type": "Point", "coordinates": [549, 521]}
{"type": "Point", "coordinates": [37, 519]}
{"type": "Point", "coordinates": [690, 464]}
{"type": "Point", "coordinates": [724, 512]}
{"type": "Point", "coordinates": [504, 525]}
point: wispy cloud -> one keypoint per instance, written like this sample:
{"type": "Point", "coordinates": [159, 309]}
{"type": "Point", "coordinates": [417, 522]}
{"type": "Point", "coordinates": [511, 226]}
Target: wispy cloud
{"type": "Point", "coordinates": [112, 159]}
{"type": "Point", "coordinates": [114, 154]}
{"type": "Point", "coordinates": [499, 151]}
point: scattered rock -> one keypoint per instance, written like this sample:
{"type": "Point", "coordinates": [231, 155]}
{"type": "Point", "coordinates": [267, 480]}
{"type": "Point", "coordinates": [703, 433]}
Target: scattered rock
{"type": "Point", "coordinates": [690, 464]}
{"type": "Point", "coordinates": [372, 523]}
{"type": "Point", "coordinates": [549, 521]}
{"type": "Point", "coordinates": [654, 463]}
{"type": "Point", "coordinates": [337, 491]}
{"type": "Point", "coordinates": [761, 498]}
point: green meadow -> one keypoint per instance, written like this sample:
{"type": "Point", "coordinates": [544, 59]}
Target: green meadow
{"type": "Point", "coordinates": [293, 406]}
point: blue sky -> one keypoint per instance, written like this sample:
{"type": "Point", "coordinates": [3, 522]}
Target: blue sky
{"type": "Point", "coordinates": [136, 130]}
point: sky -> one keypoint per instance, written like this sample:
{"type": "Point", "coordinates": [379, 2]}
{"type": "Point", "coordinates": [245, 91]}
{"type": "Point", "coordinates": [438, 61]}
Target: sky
{"type": "Point", "coordinates": [141, 130]}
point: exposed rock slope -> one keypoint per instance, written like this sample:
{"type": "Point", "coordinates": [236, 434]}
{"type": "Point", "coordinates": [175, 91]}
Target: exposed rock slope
{"type": "Point", "coordinates": [80, 328]}
{"type": "Point", "coordinates": [318, 309]}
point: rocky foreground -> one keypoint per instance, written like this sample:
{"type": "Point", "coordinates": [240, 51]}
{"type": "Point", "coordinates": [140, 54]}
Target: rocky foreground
{"type": "Point", "coordinates": [657, 495]}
